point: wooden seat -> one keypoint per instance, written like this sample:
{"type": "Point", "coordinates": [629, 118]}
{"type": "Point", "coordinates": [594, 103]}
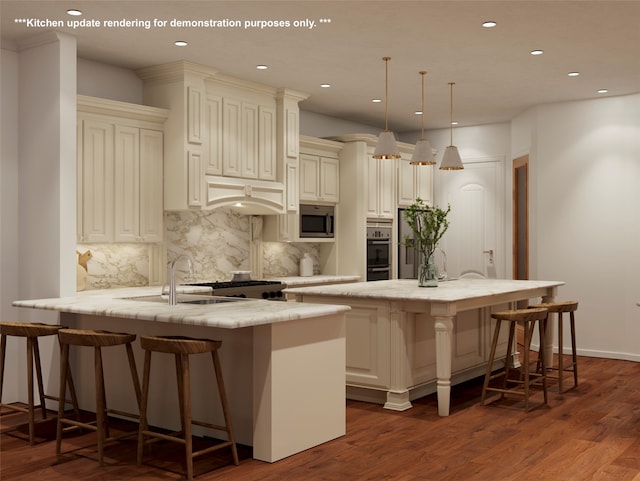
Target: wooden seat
{"type": "Point", "coordinates": [31, 331]}
{"type": "Point", "coordinates": [182, 348]}
{"type": "Point", "coordinates": [560, 308]}
{"type": "Point", "coordinates": [522, 385]}
{"type": "Point", "coordinates": [97, 340]}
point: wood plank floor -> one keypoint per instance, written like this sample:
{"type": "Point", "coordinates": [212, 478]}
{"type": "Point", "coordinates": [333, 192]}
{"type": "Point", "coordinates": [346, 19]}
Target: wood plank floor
{"type": "Point", "coordinates": [588, 433]}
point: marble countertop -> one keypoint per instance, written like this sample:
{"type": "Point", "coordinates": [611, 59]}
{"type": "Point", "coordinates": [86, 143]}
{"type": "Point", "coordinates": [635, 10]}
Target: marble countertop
{"type": "Point", "coordinates": [294, 281]}
{"type": "Point", "coordinates": [408, 290]}
{"type": "Point", "coordinates": [228, 315]}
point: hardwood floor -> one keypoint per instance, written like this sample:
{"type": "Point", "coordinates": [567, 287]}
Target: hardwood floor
{"type": "Point", "coordinates": [588, 433]}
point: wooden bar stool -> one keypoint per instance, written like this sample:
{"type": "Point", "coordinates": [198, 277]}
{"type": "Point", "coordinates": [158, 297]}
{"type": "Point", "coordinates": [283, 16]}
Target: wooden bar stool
{"type": "Point", "coordinates": [182, 348]}
{"type": "Point", "coordinates": [97, 340]}
{"type": "Point", "coordinates": [560, 308]}
{"type": "Point", "coordinates": [32, 331]}
{"type": "Point", "coordinates": [528, 317]}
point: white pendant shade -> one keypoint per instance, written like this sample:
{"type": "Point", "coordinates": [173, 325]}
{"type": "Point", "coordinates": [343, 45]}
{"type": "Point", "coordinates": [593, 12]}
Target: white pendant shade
{"type": "Point", "coordinates": [423, 153]}
{"type": "Point", "coordinates": [386, 148]}
{"type": "Point", "coordinates": [451, 159]}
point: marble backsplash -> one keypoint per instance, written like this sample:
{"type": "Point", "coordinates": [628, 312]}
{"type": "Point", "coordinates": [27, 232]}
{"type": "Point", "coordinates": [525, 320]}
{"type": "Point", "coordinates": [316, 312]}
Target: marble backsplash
{"type": "Point", "coordinates": [218, 242]}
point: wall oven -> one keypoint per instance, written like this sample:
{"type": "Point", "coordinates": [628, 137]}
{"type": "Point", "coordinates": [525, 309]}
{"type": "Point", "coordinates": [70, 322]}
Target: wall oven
{"type": "Point", "coordinates": [378, 253]}
{"type": "Point", "coordinates": [317, 220]}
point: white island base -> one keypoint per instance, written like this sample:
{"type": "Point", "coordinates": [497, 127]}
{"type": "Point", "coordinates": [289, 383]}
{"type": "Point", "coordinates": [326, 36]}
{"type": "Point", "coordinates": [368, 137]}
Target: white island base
{"type": "Point", "coordinates": [285, 381]}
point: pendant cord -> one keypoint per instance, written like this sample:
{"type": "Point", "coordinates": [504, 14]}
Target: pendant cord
{"type": "Point", "coordinates": [423, 73]}
{"type": "Point", "coordinates": [451, 84]}
{"type": "Point", "coordinates": [386, 93]}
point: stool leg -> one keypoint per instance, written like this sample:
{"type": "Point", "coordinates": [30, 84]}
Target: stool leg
{"type": "Point", "coordinates": [30, 356]}
{"type": "Point", "coordinates": [100, 404]}
{"type": "Point", "coordinates": [574, 355]}
{"type": "Point", "coordinates": [492, 353]}
{"type": "Point", "coordinates": [178, 361]}
{"type": "Point", "coordinates": [560, 353]}
{"type": "Point", "coordinates": [36, 357]}
{"type": "Point", "coordinates": [143, 404]}
{"type": "Point", "coordinates": [64, 370]}
{"type": "Point", "coordinates": [528, 334]}
{"type": "Point", "coordinates": [134, 374]}
{"type": "Point", "coordinates": [186, 409]}
{"type": "Point", "coordinates": [3, 349]}
{"type": "Point", "coordinates": [541, 332]}
{"type": "Point", "coordinates": [508, 361]}
{"type": "Point", "coordinates": [225, 405]}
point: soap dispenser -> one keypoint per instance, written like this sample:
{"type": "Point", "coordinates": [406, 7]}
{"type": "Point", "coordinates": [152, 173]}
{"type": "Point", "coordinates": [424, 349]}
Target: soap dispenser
{"type": "Point", "coordinates": [306, 265]}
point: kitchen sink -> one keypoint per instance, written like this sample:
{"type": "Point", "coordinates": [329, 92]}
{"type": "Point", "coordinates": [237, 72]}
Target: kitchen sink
{"type": "Point", "coordinates": [186, 299]}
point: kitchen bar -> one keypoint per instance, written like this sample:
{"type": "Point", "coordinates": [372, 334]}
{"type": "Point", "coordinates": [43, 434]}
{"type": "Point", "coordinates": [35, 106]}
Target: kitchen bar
{"type": "Point", "coordinates": [283, 362]}
{"type": "Point", "coordinates": [394, 327]}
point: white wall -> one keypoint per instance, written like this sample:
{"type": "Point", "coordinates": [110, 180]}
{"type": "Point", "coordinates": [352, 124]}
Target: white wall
{"type": "Point", "coordinates": [584, 215]}
{"type": "Point", "coordinates": [108, 82]}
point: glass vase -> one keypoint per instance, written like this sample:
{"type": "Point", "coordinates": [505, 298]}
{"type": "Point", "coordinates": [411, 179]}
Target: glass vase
{"type": "Point", "coordinates": [427, 273]}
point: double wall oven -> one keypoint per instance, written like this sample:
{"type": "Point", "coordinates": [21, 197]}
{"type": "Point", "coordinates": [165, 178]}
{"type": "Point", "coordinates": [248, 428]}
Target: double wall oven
{"type": "Point", "coordinates": [378, 253]}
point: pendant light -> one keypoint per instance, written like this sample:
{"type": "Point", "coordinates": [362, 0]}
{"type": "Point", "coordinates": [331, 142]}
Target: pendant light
{"type": "Point", "coordinates": [386, 148]}
{"type": "Point", "coordinates": [422, 154]}
{"type": "Point", "coordinates": [451, 159]}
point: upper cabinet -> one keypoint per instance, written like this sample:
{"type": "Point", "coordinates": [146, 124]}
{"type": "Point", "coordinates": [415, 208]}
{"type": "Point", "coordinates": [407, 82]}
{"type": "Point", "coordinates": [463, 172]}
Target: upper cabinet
{"type": "Point", "coordinates": [319, 170]}
{"type": "Point", "coordinates": [414, 181]}
{"type": "Point", "coordinates": [120, 158]}
{"type": "Point", "coordinates": [229, 141]}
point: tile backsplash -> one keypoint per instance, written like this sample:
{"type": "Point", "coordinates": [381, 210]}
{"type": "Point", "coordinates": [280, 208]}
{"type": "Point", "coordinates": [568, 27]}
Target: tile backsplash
{"type": "Point", "coordinates": [218, 242]}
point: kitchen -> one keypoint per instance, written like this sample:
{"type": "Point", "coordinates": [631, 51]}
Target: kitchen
{"type": "Point", "coordinates": [558, 137]}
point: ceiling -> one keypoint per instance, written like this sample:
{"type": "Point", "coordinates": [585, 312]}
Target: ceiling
{"type": "Point", "coordinates": [495, 75]}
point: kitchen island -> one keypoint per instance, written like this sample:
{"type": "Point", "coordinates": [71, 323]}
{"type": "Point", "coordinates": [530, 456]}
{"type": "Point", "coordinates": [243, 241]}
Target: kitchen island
{"type": "Point", "coordinates": [405, 341]}
{"type": "Point", "coordinates": [283, 364]}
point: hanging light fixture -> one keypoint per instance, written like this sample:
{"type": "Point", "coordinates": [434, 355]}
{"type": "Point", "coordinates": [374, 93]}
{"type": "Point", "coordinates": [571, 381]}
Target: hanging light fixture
{"type": "Point", "coordinates": [451, 159]}
{"type": "Point", "coordinates": [422, 154]}
{"type": "Point", "coordinates": [386, 148]}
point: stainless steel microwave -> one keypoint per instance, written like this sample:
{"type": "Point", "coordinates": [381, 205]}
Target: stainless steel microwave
{"type": "Point", "coordinates": [317, 220]}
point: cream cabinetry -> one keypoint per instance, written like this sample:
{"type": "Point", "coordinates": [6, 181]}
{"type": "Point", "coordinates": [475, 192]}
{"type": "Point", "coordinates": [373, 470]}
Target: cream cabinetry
{"type": "Point", "coordinates": [380, 188]}
{"type": "Point", "coordinates": [120, 158]}
{"type": "Point", "coordinates": [228, 140]}
{"type": "Point", "coordinates": [414, 181]}
{"type": "Point", "coordinates": [319, 179]}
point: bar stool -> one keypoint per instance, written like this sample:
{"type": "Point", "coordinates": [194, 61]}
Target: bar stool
{"type": "Point", "coordinates": [97, 340]}
{"type": "Point", "coordinates": [559, 308]}
{"type": "Point", "coordinates": [182, 348]}
{"type": "Point", "coordinates": [522, 387]}
{"type": "Point", "coordinates": [32, 331]}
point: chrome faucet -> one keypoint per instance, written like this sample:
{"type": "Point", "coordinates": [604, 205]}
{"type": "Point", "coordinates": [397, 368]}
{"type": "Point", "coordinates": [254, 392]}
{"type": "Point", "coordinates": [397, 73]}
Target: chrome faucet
{"type": "Point", "coordinates": [172, 277]}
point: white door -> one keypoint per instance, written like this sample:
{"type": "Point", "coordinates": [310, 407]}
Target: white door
{"type": "Point", "coordinates": [474, 242]}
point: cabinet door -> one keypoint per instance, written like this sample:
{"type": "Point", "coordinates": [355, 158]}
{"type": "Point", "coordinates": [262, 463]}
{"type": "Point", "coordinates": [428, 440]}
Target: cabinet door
{"type": "Point", "coordinates": [213, 110]}
{"type": "Point", "coordinates": [97, 181]}
{"type": "Point", "coordinates": [386, 188]}
{"type": "Point", "coordinates": [424, 183]}
{"type": "Point", "coordinates": [372, 186]}
{"type": "Point", "coordinates": [267, 143]}
{"type": "Point", "coordinates": [406, 183]}
{"type": "Point", "coordinates": [127, 184]}
{"type": "Point", "coordinates": [231, 137]}
{"type": "Point", "coordinates": [309, 177]}
{"type": "Point", "coordinates": [249, 147]}
{"type": "Point", "coordinates": [329, 179]}
{"type": "Point", "coordinates": [151, 178]}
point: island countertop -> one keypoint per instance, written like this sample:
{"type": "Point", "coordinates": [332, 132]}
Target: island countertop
{"type": "Point", "coordinates": [227, 315]}
{"type": "Point", "coordinates": [408, 290]}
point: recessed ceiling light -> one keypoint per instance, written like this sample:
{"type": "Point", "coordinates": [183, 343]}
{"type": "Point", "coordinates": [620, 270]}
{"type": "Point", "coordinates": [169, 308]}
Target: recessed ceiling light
{"type": "Point", "coordinates": [455, 122]}
{"type": "Point", "coordinates": [489, 24]}
{"type": "Point", "coordinates": [602, 91]}
{"type": "Point", "coordinates": [418, 112]}
{"type": "Point", "coordinates": [537, 52]}
{"type": "Point", "coordinates": [325, 86]}
{"type": "Point", "coordinates": [262, 67]}
{"type": "Point", "coordinates": [74, 12]}
{"type": "Point", "coordinates": [180, 43]}
{"type": "Point", "coordinates": [573, 74]}
{"type": "Point", "coordinates": [376, 101]}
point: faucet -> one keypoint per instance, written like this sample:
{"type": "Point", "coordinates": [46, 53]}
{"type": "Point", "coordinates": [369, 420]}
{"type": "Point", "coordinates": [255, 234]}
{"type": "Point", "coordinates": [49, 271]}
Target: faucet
{"type": "Point", "coordinates": [172, 277]}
